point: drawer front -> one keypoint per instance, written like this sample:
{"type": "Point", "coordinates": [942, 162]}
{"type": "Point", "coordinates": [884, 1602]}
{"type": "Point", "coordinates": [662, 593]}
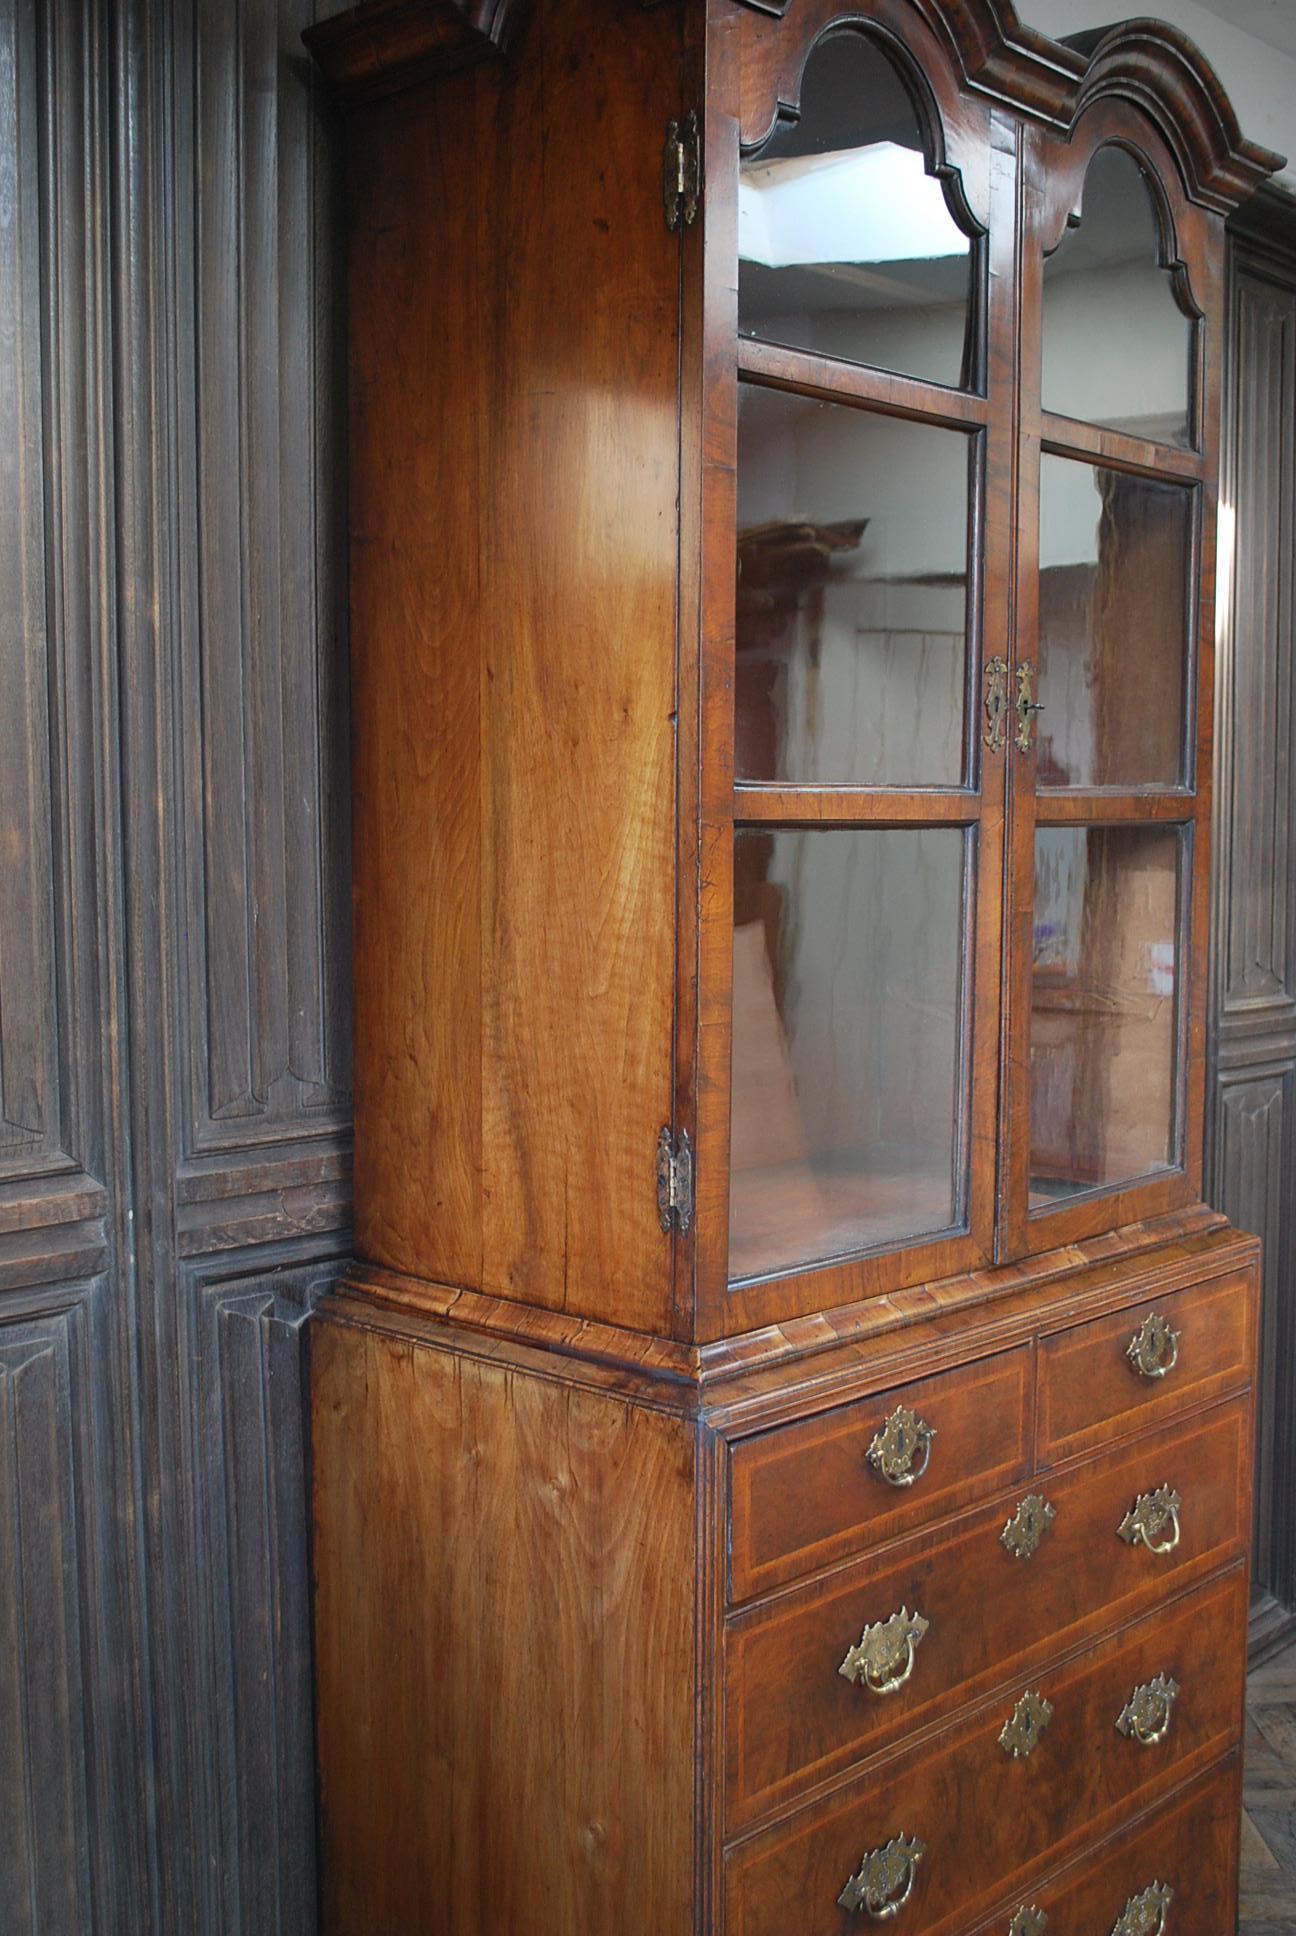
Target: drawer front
{"type": "Point", "coordinates": [1192, 1347]}
{"type": "Point", "coordinates": [984, 1820]}
{"type": "Point", "coordinates": [793, 1719]}
{"type": "Point", "coordinates": [806, 1494]}
{"type": "Point", "coordinates": [1188, 1848]}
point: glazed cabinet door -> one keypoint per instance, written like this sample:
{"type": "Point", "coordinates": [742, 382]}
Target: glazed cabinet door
{"type": "Point", "coordinates": [1121, 328]}
{"type": "Point", "coordinates": [856, 500]}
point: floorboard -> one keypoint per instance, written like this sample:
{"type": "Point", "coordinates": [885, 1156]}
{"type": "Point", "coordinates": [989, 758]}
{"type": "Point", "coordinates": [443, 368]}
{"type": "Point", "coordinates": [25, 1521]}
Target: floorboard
{"type": "Point", "coordinates": [1269, 1804]}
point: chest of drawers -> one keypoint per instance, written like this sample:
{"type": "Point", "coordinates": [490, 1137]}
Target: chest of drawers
{"type": "Point", "coordinates": [929, 1650]}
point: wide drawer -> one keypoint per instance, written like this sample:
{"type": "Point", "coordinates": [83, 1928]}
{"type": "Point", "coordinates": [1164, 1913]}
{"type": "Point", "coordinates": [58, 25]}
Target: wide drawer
{"type": "Point", "coordinates": [1185, 1853]}
{"type": "Point", "coordinates": [1136, 1368]}
{"type": "Point", "coordinates": [792, 1719]}
{"type": "Point", "coordinates": [979, 1820]}
{"type": "Point", "coordinates": [803, 1495]}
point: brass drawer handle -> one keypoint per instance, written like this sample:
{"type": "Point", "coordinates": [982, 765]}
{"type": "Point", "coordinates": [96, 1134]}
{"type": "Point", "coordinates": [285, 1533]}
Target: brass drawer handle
{"type": "Point", "coordinates": [884, 1881]}
{"type": "Point", "coordinates": [884, 1655]}
{"type": "Point", "coordinates": [1028, 1922]}
{"type": "Point", "coordinates": [1022, 1733]}
{"type": "Point", "coordinates": [1146, 1521]}
{"type": "Point", "coordinates": [1147, 1715]}
{"type": "Point", "coordinates": [1154, 1349]}
{"type": "Point", "coordinates": [901, 1449]}
{"type": "Point", "coordinates": [1145, 1915]}
{"type": "Point", "coordinates": [1024, 1534]}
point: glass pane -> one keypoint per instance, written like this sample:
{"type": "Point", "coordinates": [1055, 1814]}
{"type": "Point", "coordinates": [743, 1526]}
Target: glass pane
{"type": "Point", "coordinates": [852, 595]}
{"type": "Point", "coordinates": [1118, 350]}
{"type": "Point", "coordinates": [846, 243]}
{"type": "Point", "coordinates": [1104, 1012]}
{"type": "Point", "coordinates": [846, 1042]}
{"type": "Point", "coordinates": [1115, 570]}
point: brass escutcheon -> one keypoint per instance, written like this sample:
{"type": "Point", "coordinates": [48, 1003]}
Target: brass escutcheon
{"type": "Point", "coordinates": [995, 735]}
{"type": "Point", "coordinates": [1145, 1914]}
{"type": "Point", "coordinates": [1154, 1349]}
{"type": "Point", "coordinates": [1028, 1922]}
{"type": "Point", "coordinates": [1147, 1715]}
{"type": "Point", "coordinates": [1025, 1531]}
{"type": "Point", "coordinates": [1022, 1734]}
{"type": "Point", "coordinates": [884, 1881]}
{"type": "Point", "coordinates": [901, 1450]}
{"type": "Point", "coordinates": [1026, 706]}
{"type": "Point", "coordinates": [883, 1658]}
{"type": "Point", "coordinates": [1148, 1518]}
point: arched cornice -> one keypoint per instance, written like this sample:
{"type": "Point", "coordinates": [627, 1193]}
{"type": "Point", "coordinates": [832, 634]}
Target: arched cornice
{"type": "Point", "coordinates": [1144, 61]}
{"type": "Point", "coordinates": [384, 45]}
{"type": "Point", "coordinates": [1169, 77]}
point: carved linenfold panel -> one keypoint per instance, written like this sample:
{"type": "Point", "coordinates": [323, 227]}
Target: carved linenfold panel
{"type": "Point", "coordinates": [260, 697]}
{"type": "Point", "coordinates": [1255, 929]}
{"type": "Point", "coordinates": [246, 1520]}
{"type": "Point", "coordinates": [46, 1812]}
{"type": "Point", "coordinates": [38, 762]}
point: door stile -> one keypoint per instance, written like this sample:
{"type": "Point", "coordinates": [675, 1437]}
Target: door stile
{"type": "Point", "coordinates": [711, 387]}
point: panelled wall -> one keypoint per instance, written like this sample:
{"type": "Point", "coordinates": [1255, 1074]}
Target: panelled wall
{"type": "Point", "coordinates": [173, 942]}
{"type": "Point", "coordinates": [173, 954]}
{"type": "Point", "coordinates": [1251, 1119]}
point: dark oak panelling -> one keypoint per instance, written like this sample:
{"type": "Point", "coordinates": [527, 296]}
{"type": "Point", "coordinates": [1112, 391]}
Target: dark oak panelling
{"type": "Point", "coordinates": [1251, 1124]}
{"type": "Point", "coordinates": [174, 965]}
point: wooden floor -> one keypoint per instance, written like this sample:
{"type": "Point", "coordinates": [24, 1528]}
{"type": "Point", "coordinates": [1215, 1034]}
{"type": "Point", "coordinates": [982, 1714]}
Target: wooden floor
{"type": "Point", "coordinates": [1269, 1821]}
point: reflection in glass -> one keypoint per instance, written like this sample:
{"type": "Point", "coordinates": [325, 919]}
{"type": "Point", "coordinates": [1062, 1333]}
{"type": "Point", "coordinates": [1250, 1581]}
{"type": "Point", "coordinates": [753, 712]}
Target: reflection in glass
{"type": "Point", "coordinates": [852, 595]}
{"type": "Point", "coordinates": [1105, 1007]}
{"type": "Point", "coordinates": [1115, 570]}
{"type": "Point", "coordinates": [846, 1042]}
{"type": "Point", "coordinates": [846, 243]}
{"type": "Point", "coordinates": [1118, 349]}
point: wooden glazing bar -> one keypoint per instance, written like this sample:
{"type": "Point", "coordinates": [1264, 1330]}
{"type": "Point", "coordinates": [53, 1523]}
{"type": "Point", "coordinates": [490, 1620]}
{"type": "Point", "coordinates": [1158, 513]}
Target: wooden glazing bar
{"type": "Point", "coordinates": [1064, 437]}
{"type": "Point", "coordinates": [836, 382]}
{"type": "Point", "coordinates": [1083, 807]}
{"type": "Point", "coordinates": [775, 806]}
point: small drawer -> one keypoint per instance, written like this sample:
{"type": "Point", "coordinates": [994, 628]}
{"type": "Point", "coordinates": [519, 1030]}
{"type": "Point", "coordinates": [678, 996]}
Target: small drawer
{"type": "Point", "coordinates": [1130, 1370]}
{"type": "Point", "coordinates": [1186, 1852]}
{"type": "Point", "coordinates": [824, 1488]}
{"type": "Point", "coordinates": [980, 1606]}
{"type": "Point", "coordinates": [944, 1833]}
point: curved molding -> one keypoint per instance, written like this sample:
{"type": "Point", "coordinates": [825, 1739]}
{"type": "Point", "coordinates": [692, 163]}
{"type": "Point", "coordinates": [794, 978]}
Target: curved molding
{"type": "Point", "coordinates": [1158, 67]}
{"type": "Point", "coordinates": [385, 45]}
{"type": "Point", "coordinates": [1142, 61]}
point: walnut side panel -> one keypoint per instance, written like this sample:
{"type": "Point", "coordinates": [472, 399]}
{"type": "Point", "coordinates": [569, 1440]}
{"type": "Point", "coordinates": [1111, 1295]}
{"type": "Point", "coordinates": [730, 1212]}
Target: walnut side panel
{"type": "Point", "coordinates": [505, 1624]}
{"type": "Point", "coordinates": [515, 446]}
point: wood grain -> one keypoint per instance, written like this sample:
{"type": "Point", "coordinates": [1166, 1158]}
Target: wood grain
{"type": "Point", "coordinates": [987, 1819]}
{"type": "Point", "coordinates": [1088, 1391]}
{"type": "Point", "coordinates": [793, 1722]}
{"type": "Point", "coordinates": [807, 1494]}
{"type": "Point", "coordinates": [505, 1607]}
{"type": "Point", "coordinates": [514, 556]}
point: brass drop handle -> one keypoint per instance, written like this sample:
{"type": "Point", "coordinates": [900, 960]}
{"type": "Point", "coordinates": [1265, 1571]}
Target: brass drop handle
{"type": "Point", "coordinates": [884, 1881]}
{"type": "Point", "coordinates": [1147, 1715]}
{"type": "Point", "coordinates": [901, 1449]}
{"type": "Point", "coordinates": [883, 1657]}
{"type": "Point", "coordinates": [1146, 1522]}
{"type": "Point", "coordinates": [1154, 1349]}
{"type": "Point", "coordinates": [1026, 705]}
{"type": "Point", "coordinates": [1145, 1914]}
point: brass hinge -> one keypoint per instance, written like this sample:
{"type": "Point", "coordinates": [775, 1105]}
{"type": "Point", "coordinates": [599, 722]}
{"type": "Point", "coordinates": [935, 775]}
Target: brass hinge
{"type": "Point", "coordinates": [682, 172]}
{"type": "Point", "coordinates": [675, 1180]}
